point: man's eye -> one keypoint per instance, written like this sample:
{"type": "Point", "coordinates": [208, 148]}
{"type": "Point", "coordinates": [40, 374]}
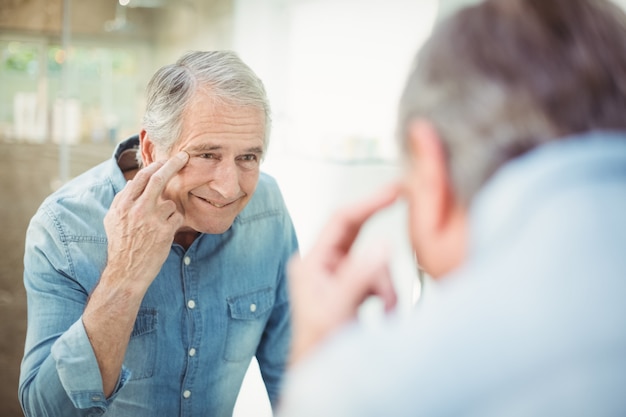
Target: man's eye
{"type": "Point", "coordinates": [207, 155]}
{"type": "Point", "coordinates": [248, 161]}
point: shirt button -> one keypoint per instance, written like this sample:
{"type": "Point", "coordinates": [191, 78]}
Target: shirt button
{"type": "Point", "coordinates": [192, 352]}
{"type": "Point", "coordinates": [191, 304]}
{"type": "Point", "coordinates": [186, 393]}
{"type": "Point", "coordinates": [187, 260]}
{"type": "Point", "coordinates": [253, 307]}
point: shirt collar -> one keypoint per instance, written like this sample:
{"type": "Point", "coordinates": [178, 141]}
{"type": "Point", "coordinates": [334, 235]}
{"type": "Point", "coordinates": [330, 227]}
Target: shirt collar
{"type": "Point", "coordinates": [125, 154]}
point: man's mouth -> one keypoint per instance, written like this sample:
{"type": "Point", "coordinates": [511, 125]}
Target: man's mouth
{"type": "Point", "coordinates": [215, 204]}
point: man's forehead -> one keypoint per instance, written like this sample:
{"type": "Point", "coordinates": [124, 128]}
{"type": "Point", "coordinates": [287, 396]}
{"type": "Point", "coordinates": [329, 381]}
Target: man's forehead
{"type": "Point", "coordinates": [237, 122]}
{"type": "Point", "coordinates": [217, 105]}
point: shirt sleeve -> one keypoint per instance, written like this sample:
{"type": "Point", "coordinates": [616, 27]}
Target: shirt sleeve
{"type": "Point", "coordinates": [273, 349]}
{"type": "Point", "coordinates": [59, 374]}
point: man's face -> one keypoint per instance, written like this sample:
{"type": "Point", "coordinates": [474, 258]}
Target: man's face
{"type": "Point", "coordinates": [225, 146]}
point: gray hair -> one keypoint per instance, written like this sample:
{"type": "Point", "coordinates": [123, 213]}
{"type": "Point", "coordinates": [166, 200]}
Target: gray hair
{"type": "Point", "coordinates": [503, 77]}
{"type": "Point", "coordinates": [221, 73]}
{"type": "Point", "coordinates": [481, 122]}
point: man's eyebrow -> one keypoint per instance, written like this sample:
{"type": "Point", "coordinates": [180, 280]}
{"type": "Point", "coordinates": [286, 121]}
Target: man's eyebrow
{"type": "Point", "coordinates": [254, 149]}
{"type": "Point", "coordinates": [204, 148]}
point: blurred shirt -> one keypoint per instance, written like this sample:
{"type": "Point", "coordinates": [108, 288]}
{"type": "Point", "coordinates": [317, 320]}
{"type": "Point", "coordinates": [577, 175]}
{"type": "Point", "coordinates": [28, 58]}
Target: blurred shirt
{"type": "Point", "coordinates": [207, 313]}
{"type": "Point", "coordinates": [533, 324]}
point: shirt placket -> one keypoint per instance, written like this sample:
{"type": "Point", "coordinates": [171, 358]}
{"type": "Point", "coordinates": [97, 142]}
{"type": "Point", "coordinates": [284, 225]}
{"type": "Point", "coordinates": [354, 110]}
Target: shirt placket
{"type": "Point", "coordinates": [193, 326]}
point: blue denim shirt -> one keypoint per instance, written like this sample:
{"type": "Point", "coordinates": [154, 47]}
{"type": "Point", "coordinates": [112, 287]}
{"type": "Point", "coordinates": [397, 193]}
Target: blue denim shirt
{"type": "Point", "coordinates": [208, 312]}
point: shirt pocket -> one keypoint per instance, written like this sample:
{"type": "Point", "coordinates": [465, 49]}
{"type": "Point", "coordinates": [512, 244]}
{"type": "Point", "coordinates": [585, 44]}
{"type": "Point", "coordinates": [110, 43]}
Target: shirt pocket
{"type": "Point", "coordinates": [140, 356]}
{"type": "Point", "coordinates": [247, 315]}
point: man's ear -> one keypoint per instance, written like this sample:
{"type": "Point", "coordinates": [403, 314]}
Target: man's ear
{"type": "Point", "coordinates": [146, 146]}
{"type": "Point", "coordinates": [428, 153]}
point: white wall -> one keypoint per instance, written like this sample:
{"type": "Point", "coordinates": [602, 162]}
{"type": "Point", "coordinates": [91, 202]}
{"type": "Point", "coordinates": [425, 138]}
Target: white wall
{"type": "Point", "coordinates": [333, 68]}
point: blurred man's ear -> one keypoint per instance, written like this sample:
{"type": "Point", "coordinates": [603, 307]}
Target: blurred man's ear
{"type": "Point", "coordinates": [439, 219]}
{"type": "Point", "coordinates": [146, 147]}
{"type": "Point", "coordinates": [428, 152]}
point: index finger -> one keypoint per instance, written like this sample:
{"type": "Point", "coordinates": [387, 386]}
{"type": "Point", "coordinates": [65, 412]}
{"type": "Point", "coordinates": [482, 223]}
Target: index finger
{"type": "Point", "coordinates": [163, 175]}
{"type": "Point", "coordinates": [341, 232]}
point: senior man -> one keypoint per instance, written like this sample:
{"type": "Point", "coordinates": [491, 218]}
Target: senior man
{"type": "Point", "coordinates": [150, 290]}
{"type": "Point", "coordinates": [513, 122]}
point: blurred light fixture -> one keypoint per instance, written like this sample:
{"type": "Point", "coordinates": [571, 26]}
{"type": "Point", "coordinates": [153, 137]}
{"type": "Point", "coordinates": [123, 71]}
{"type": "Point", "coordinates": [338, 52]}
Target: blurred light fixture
{"type": "Point", "coordinates": [119, 22]}
{"type": "Point", "coordinates": [144, 4]}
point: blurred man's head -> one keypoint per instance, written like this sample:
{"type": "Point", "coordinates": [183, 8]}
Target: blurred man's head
{"type": "Point", "coordinates": [495, 81]}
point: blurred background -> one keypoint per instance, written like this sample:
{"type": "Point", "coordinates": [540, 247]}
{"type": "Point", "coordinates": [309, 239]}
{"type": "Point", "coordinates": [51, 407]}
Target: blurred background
{"type": "Point", "coordinates": [72, 79]}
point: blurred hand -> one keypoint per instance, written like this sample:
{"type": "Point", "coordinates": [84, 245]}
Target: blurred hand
{"type": "Point", "coordinates": [329, 284]}
{"type": "Point", "coordinates": [141, 224]}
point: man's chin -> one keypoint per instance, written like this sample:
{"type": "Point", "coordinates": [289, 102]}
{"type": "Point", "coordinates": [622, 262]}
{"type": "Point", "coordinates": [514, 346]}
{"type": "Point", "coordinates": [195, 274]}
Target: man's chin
{"type": "Point", "coordinates": [215, 229]}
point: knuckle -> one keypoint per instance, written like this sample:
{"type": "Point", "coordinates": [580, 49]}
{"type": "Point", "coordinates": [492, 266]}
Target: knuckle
{"type": "Point", "coordinates": [157, 179]}
{"type": "Point", "coordinates": [137, 211]}
{"type": "Point", "coordinates": [121, 201]}
{"type": "Point", "coordinates": [142, 175]}
{"type": "Point", "coordinates": [146, 173]}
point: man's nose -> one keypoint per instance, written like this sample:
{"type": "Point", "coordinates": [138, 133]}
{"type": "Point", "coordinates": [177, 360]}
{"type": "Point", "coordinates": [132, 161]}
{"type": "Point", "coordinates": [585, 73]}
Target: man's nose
{"type": "Point", "coordinates": [226, 180]}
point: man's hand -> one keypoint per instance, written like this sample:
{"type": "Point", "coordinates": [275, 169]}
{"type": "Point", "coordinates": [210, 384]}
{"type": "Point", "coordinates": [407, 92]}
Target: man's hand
{"type": "Point", "coordinates": [141, 225]}
{"type": "Point", "coordinates": [140, 228]}
{"type": "Point", "coordinates": [328, 285]}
